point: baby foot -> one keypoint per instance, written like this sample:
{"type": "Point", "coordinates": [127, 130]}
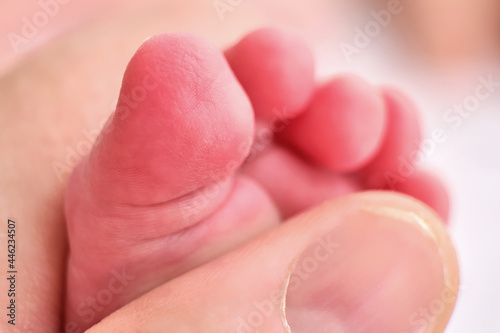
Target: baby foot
{"type": "Point", "coordinates": [163, 190]}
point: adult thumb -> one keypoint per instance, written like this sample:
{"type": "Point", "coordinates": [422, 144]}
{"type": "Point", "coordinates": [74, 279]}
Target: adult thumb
{"type": "Point", "coordinates": [368, 262]}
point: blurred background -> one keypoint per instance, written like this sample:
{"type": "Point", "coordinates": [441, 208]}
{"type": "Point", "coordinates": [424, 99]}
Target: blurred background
{"type": "Point", "coordinates": [438, 51]}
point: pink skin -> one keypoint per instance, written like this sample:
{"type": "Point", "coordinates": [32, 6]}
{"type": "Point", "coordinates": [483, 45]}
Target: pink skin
{"type": "Point", "coordinates": [276, 69]}
{"type": "Point", "coordinates": [161, 194]}
{"type": "Point", "coordinates": [402, 138]}
{"type": "Point", "coordinates": [343, 127]}
{"type": "Point", "coordinates": [429, 189]}
{"type": "Point", "coordinates": [164, 164]}
{"type": "Point", "coordinates": [294, 183]}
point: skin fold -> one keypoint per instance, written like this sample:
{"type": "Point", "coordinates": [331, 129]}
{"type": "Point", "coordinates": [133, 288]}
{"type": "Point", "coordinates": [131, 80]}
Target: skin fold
{"type": "Point", "coordinates": [54, 102]}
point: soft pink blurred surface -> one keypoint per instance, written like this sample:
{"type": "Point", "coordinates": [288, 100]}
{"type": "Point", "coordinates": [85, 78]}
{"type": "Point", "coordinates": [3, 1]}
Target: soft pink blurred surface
{"type": "Point", "coordinates": [469, 160]}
